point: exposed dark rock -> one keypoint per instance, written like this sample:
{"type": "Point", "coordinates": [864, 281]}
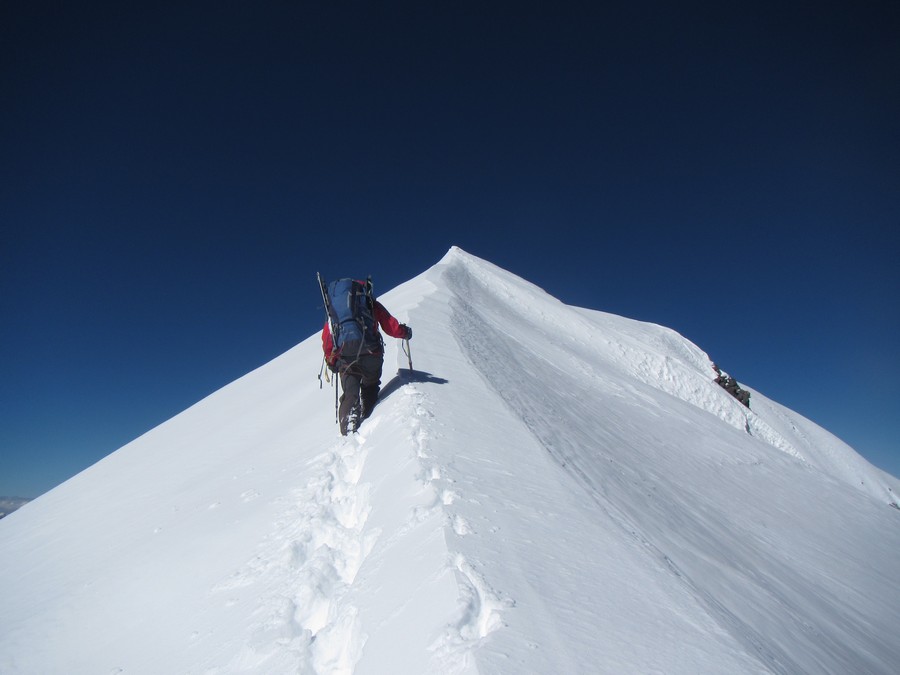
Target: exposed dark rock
{"type": "Point", "coordinates": [731, 385]}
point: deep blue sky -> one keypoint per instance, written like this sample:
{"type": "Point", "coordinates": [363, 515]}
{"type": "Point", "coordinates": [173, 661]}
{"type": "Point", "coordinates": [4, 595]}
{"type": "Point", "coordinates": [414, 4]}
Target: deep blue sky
{"type": "Point", "coordinates": [173, 177]}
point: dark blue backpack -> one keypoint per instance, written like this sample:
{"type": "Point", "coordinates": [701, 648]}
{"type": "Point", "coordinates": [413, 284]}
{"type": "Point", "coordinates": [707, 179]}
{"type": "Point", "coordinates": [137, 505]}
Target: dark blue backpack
{"type": "Point", "coordinates": [351, 309]}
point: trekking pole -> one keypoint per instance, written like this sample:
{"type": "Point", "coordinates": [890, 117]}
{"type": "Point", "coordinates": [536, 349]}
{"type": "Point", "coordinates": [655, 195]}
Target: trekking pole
{"type": "Point", "coordinates": [406, 350]}
{"type": "Point", "coordinates": [337, 418]}
{"type": "Point", "coordinates": [333, 381]}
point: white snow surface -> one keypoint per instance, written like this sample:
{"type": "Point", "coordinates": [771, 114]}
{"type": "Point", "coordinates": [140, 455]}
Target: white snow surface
{"type": "Point", "coordinates": [551, 490]}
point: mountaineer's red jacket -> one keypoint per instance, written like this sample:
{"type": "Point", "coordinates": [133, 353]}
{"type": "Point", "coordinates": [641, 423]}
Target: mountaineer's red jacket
{"type": "Point", "coordinates": [382, 317]}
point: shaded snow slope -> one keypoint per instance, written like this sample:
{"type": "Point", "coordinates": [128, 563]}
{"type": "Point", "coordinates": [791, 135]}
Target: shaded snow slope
{"type": "Point", "coordinates": [551, 490]}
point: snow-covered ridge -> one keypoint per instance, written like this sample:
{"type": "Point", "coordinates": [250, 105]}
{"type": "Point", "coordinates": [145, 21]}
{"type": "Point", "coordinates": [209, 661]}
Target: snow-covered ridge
{"type": "Point", "coordinates": [599, 344]}
{"type": "Point", "coordinates": [551, 490]}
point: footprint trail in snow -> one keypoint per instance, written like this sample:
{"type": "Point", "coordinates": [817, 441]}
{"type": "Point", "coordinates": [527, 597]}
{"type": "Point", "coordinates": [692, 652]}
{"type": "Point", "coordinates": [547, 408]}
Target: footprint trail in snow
{"type": "Point", "coordinates": [304, 568]}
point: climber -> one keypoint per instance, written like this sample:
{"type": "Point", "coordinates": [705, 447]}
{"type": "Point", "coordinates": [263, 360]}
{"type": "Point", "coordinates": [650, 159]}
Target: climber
{"type": "Point", "coordinates": [356, 349]}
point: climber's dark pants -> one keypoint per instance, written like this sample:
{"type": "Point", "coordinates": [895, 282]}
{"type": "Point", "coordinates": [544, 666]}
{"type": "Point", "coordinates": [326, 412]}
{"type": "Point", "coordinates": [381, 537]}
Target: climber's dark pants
{"type": "Point", "coordinates": [361, 382]}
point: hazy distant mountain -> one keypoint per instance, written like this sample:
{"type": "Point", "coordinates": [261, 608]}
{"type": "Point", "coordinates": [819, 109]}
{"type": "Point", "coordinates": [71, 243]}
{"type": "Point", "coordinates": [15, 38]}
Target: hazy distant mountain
{"type": "Point", "coordinates": [552, 490]}
{"type": "Point", "coordinates": [10, 504]}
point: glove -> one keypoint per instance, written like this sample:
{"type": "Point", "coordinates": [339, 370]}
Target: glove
{"type": "Point", "coordinates": [408, 331]}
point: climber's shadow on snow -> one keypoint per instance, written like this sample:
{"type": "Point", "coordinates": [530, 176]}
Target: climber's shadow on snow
{"type": "Point", "coordinates": [407, 376]}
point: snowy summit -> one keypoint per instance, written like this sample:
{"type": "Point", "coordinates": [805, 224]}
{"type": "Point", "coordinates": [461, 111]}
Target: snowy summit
{"type": "Point", "coordinates": [551, 490]}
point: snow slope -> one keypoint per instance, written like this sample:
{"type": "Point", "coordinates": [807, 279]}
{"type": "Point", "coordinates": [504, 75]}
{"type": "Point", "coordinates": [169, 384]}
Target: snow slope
{"type": "Point", "coordinates": [552, 490]}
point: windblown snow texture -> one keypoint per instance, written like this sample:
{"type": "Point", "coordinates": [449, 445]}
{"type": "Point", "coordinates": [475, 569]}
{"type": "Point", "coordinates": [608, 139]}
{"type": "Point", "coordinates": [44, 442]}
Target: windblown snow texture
{"type": "Point", "coordinates": [553, 490]}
